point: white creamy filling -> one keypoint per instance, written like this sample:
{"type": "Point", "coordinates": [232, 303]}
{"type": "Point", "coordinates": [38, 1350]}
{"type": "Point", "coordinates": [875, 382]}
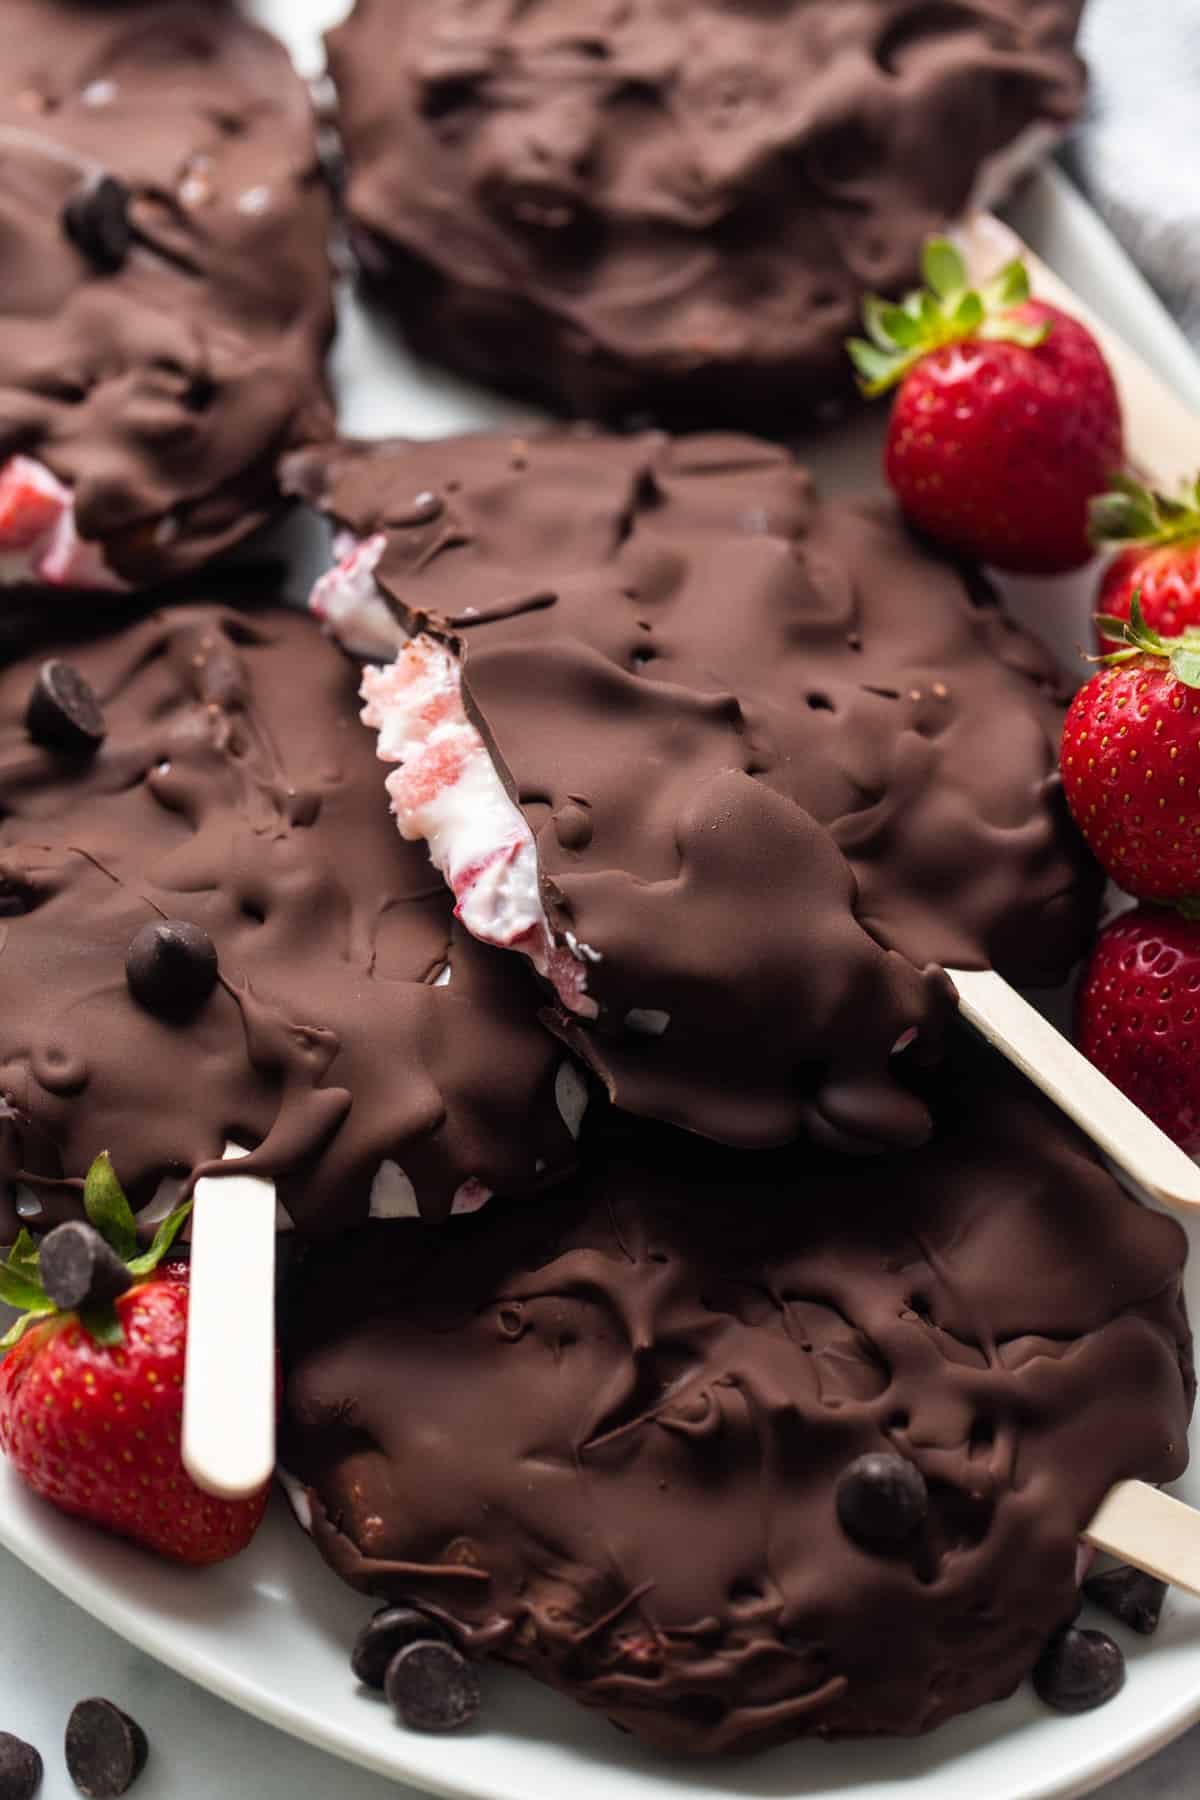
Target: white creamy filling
{"type": "Point", "coordinates": [347, 600]}
{"type": "Point", "coordinates": [39, 541]}
{"type": "Point", "coordinates": [444, 788]}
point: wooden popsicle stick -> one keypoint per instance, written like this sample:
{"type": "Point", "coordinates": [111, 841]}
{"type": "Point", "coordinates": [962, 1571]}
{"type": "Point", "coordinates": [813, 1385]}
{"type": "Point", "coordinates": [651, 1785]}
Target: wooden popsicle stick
{"type": "Point", "coordinates": [1114, 1124]}
{"type": "Point", "coordinates": [1151, 1531]}
{"type": "Point", "coordinates": [229, 1373]}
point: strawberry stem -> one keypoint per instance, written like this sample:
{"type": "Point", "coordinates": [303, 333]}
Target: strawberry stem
{"type": "Point", "coordinates": [1181, 654]}
{"type": "Point", "coordinates": [947, 310]}
{"type": "Point", "coordinates": [111, 1215]}
{"type": "Point", "coordinates": [1132, 513]}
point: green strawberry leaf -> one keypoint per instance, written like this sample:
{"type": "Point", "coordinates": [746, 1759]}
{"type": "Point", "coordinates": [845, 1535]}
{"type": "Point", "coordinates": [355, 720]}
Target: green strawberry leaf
{"type": "Point", "coordinates": [875, 310]}
{"type": "Point", "coordinates": [17, 1331]}
{"type": "Point", "coordinates": [164, 1237]}
{"type": "Point", "coordinates": [1185, 664]}
{"type": "Point", "coordinates": [23, 1258]}
{"type": "Point", "coordinates": [875, 367]}
{"type": "Point", "coordinates": [106, 1206]}
{"type": "Point", "coordinates": [1190, 909]}
{"type": "Point", "coordinates": [943, 268]}
{"type": "Point", "coordinates": [18, 1290]}
{"type": "Point", "coordinates": [1118, 518]}
{"type": "Point", "coordinates": [968, 314]}
{"type": "Point", "coordinates": [1002, 328]}
{"type": "Point", "coordinates": [1132, 513]}
{"type": "Point", "coordinates": [900, 326]}
{"type": "Point", "coordinates": [102, 1325]}
{"type": "Point", "coordinates": [1009, 288]}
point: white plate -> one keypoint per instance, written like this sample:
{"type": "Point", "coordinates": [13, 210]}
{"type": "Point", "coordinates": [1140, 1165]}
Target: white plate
{"type": "Point", "coordinates": [271, 1631]}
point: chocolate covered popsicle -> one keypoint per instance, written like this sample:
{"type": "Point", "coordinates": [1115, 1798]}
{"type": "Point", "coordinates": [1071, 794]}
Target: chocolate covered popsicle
{"type": "Point", "coordinates": [741, 1447]}
{"type": "Point", "coordinates": [677, 205]}
{"type": "Point", "coordinates": [735, 767]}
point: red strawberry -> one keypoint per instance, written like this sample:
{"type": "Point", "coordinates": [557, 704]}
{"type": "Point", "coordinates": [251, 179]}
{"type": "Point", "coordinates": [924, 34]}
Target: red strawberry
{"type": "Point", "coordinates": [91, 1402]}
{"type": "Point", "coordinates": [1139, 1016]}
{"type": "Point", "coordinates": [1160, 561]}
{"type": "Point", "coordinates": [1006, 421]}
{"type": "Point", "coordinates": [1131, 762]}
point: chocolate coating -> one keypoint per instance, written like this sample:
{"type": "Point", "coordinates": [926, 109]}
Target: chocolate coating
{"type": "Point", "coordinates": [747, 728]}
{"type": "Point", "coordinates": [165, 293]}
{"type": "Point", "coordinates": [674, 204]}
{"type": "Point", "coordinates": [600, 1435]}
{"type": "Point", "coordinates": [236, 788]}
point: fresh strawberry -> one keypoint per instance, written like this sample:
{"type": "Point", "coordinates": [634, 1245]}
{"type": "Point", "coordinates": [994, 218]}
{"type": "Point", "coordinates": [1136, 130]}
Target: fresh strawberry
{"type": "Point", "coordinates": [1006, 420]}
{"type": "Point", "coordinates": [1131, 761]}
{"type": "Point", "coordinates": [1160, 560]}
{"type": "Point", "coordinates": [91, 1402]}
{"type": "Point", "coordinates": [1139, 1015]}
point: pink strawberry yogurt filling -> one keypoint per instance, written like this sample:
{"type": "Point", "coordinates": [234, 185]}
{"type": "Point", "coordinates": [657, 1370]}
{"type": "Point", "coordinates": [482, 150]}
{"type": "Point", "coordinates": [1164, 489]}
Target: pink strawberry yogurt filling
{"type": "Point", "coordinates": [39, 541]}
{"type": "Point", "coordinates": [444, 787]}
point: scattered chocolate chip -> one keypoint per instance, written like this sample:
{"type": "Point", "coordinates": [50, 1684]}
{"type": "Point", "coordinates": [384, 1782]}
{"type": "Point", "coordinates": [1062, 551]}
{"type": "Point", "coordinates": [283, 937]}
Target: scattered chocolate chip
{"type": "Point", "coordinates": [382, 1636]}
{"type": "Point", "coordinates": [1129, 1595]}
{"type": "Point", "coordinates": [1079, 1670]}
{"type": "Point", "coordinates": [96, 219]}
{"type": "Point", "coordinates": [106, 1749]}
{"type": "Point", "coordinates": [432, 1686]}
{"type": "Point", "coordinates": [881, 1498]}
{"type": "Point", "coordinates": [63, 712]}
{"type": "Point", "coordinates": [171, 967]}
{"type": "Point", "coordinates": [20, 1768]}
{"type": "Point", "coordinates": [79, 1269]}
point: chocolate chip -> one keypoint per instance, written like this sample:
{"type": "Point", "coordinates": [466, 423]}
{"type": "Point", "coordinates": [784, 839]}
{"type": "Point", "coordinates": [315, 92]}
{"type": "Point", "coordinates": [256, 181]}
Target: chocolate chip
{"type": "Point", "coordinates": [171, 967]}
{"type": "Point", "coordinates": [432, 1686]}
{"type": "Point", "coordinates": [20, 1768]}
{"type": "Point", "coordinates": [106, 1750]}
{"type": "Point", "coordinates": [79, 1269]}
{"type": "Point", "coordinates": [573, 826]}
{"type": "Point", "coordinates": [96, 219]}
{"type": "Point", "coordinates": [881, 1498]}
{"type": "Point", "coordinates": [390, 1630]}
{"type": "Point", "coordinates": [1129, 1595]}
{"type": "Point", "coordinates": [63, 712]}
{"type": "Point", "coordinates": [1079, 1670]}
